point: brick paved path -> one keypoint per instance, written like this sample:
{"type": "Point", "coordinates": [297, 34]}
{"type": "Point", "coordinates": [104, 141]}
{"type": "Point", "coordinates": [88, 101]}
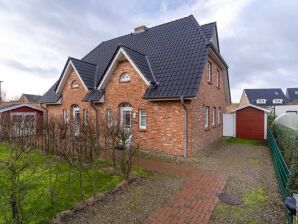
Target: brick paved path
{"type": "Point", "coordinates": [195, 201]}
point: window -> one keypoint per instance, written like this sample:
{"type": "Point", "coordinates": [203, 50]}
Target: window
{"type": "Point", "coordinates": [206, 117]}
{"type": "Point", "coordinates": [142, 119]}
{"type": "Point", "coordinates": [75, 84]}
{"type": "Point", "coordinates": [276, 93]}
{"type": "Point", "coordinates": [209, 72]}
{"type": "Point", "coordinates": [217, 78]}
{"type": "Point", "coordinates": [261, 101]}
{"type": "Point", "coordinates": [65, 117]}
{"type": "Point", "coordinates": [296, 92]}
{"type": "Point", "coordinates": [85, 116]}
{"type": "Point", "coordinates": [218, 115]}
{"type": "Point", "coordinates": [213, 116]}
{"type": "Point", "coordinates": [277, 101]}
{"type": "Point", "coordinates": [110, 117]}
{"type": "Point", "coordinates": [125, 77]}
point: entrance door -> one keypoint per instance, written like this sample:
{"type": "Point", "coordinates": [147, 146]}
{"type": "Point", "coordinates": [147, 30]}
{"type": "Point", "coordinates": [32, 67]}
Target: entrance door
{"type": "Point", "coordinates": [76, 119]}
{"type": "Point", "coordinates": [126, 116]}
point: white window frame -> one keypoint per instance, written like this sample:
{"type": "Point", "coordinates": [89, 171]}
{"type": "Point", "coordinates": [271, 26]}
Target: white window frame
{"type": "Point", "coordinates": [209, 72]}
{"type": "Point", "coordinates": [213, 116]}
{"type": "Point", "coordinates": [206, 116]}
{"type": "Point", "coordinates": [261, 101]}
{"type": "Point", "coordinates": [218, 115]}
{"type": "Point", "coordinates": [110, 117]}
{"type": "Point", "coordinates": [125, 77]}
{"type": "Point", "coordinates": [140, 119]}
{"type": "Point", "coordinates": [85, 116]}
{"type": "Point", "coordinates": [217, 77]}
{"type": "Point", "coordinates": [296, 92]}
{"type": "Point", "coordinates": [277, 101]}
{"type": "Point", "coordinates": [65, 116]}
{"type": "Point", "coordinates": [74, 84]}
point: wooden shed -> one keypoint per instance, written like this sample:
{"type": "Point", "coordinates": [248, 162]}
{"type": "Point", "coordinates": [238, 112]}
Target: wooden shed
{"type": "Point", "coordinates": [251, 122]}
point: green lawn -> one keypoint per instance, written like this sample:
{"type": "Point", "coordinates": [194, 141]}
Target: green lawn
{"type": "Point", "coordinates": [244, 141]}
{"type": "Point", "coordinates": [37, 201]}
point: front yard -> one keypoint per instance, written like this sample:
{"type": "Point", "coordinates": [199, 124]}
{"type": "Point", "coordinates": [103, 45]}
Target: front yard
{"type": "Point", "coordinates": [51, 186]}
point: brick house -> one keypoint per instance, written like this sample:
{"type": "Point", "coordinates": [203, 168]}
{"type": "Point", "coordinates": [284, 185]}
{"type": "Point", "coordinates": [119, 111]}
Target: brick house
{"type": "Point", "coordinates": [168, 84]}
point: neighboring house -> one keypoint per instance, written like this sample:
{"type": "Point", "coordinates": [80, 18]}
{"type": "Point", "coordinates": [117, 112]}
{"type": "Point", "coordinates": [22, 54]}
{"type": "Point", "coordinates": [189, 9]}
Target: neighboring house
{"type": "Point", "coordinates": [169, 84]}
{"type": "Point", "coordinates": [292, 95]}
{"type": "Point", "coordinates": [266, 98]}
{"type": "Point", "coordinates": [29, 98]}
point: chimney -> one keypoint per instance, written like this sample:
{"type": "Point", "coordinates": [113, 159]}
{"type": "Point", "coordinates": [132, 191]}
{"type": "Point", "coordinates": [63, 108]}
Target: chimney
{"type": "Point", "coordinates": [140, 29]}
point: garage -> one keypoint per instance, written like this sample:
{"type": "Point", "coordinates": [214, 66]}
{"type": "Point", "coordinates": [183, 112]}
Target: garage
{"type": "Point", "coordinates": [251, 122]}
{"type": "Point", "coordinates": [248, 122]}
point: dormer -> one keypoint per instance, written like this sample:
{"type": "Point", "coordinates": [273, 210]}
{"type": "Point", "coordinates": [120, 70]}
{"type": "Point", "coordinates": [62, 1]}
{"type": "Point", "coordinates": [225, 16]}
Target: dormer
{"type": "Point", "coordinates": [277, 101]}
{"type": "Point", "coordinates": [261, 101]}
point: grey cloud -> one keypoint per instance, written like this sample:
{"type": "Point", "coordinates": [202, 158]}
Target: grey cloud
{"type": "Point", "coordinates": [265, 45]}
{"type": "Point", "coordinates": [31, 69]}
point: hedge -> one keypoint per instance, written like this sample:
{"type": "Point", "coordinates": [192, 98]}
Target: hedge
{"type": "Point", "coordinates": [287, 140]}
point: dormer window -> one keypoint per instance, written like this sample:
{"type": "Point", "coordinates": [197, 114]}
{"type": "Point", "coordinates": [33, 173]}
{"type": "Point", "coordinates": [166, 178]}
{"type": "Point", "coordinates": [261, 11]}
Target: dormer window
{"type": "Point", "coordinates": [277, 101]}
{"type": "Point", "coordinates": [125, 77]}
{"type": "Point", "coordinates": [296, 92]}
{"type": "Point", "coordinates": [261, 101]}
{"type": "Point", "coordinates": [276, 93]}
{"type": "Point", "coordinates": [75, 84]}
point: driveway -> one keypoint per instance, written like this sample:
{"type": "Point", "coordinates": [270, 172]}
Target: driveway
{"type": "Point", "coordinates": [251, 176]}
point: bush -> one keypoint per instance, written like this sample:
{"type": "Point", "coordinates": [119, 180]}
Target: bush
{"type": "Point", "coordinates": [287, 139]}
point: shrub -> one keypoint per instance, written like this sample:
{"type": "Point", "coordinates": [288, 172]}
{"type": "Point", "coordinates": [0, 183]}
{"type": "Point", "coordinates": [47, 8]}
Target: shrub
{"type": "Point", "coordinates": [287, 139]}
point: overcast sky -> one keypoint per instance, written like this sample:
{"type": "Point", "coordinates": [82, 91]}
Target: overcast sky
{"type": "Point", "coordinates": [258, 39]}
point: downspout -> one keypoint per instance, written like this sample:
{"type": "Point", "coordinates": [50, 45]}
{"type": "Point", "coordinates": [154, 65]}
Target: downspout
{"type": "Point", "coordinates": [185, 126]}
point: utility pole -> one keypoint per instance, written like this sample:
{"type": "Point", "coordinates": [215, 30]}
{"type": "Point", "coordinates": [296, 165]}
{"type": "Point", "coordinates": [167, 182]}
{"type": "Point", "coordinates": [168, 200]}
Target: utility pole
{"type": "Point", "coordinates": [1, 91]}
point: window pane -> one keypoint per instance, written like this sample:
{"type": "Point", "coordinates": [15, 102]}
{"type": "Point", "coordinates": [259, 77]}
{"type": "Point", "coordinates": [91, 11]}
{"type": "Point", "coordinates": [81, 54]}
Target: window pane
{"type": "Point", "coordinates": [143, 119]}
{"type": "Point", "coordinates": [126, 119]}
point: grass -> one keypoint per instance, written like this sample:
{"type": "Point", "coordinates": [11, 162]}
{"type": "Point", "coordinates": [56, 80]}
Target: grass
{"type": "Point", "coordinates": [253, 200]}
{"type": "Point", "coordinates": [244, 141]}
{"type": "Point", "coordinates": [37, 201]}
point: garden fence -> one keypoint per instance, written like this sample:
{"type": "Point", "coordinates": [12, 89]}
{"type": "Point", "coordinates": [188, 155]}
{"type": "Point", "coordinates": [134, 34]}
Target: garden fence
{"type": "Point", "coordinates": [281, 169]}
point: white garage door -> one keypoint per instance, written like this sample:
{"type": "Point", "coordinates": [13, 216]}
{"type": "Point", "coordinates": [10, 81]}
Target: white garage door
{"type": "Point", "coordinates": [229, 125]}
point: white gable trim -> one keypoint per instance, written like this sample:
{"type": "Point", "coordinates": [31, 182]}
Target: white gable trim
{"type": "Point", "coordinates": [251, 105]}
{"type": "Point", "coordinates": [120, 54]}
{"type": "Point", "coordinates": [66, 75]}
{"type": "Point", "coordinates": [18, 106]}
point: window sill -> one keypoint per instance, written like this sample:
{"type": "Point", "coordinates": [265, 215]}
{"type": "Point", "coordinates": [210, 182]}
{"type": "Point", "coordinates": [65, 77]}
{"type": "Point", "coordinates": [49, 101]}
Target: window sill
{"type": "Point", "coordinates": [210, 82]}
{"type": "Point", "coordinates": [207, 128]}
{"type": "Point", "coordinates": [142, 129]}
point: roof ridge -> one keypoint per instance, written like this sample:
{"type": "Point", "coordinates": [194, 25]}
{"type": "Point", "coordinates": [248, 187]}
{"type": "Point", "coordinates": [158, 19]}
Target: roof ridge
{"type": "Point", "coordinates": [165, 23]}
{"type": "Point", "coordinates": [122, 45]}
{"type": "Point", "coordinates": [72, 58]}
{"type": "Point", "coordinates": [208, 23]}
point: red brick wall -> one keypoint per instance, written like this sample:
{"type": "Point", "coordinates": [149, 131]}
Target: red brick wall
{"type": "Point", "coordinates": [209, 95]}
{"type": "Point", "coordinates": [70, 97]}
{"type": "Point", "coordinates": [164, 131]}
{"type": "Point", "coordinates": [165, 119]}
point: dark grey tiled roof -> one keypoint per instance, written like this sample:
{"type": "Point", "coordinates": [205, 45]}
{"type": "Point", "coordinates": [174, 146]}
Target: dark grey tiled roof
{"type": "Point", "coordinates": [268, 94]}
{"type": "Point", "coordinates": [50, 96]}
{"type": "Point", "coordinates": [208, 29]}
{"type": "Point", "coordinates": [86, 71]}
{"type": "Point", "coordinates": [32, 98]}
{"type": "Point", "coordinates": [292, 94]}
{"type": "Point", "coordinates": [93, 95]}
{"type": "Point", "coordinates": [141, 61]}
{"type": "Point", "coordinates": [174, 54]}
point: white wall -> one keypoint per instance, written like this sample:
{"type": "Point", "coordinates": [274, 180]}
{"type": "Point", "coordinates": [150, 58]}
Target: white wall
{"type": "Point", "coordinates": [282, 109]}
